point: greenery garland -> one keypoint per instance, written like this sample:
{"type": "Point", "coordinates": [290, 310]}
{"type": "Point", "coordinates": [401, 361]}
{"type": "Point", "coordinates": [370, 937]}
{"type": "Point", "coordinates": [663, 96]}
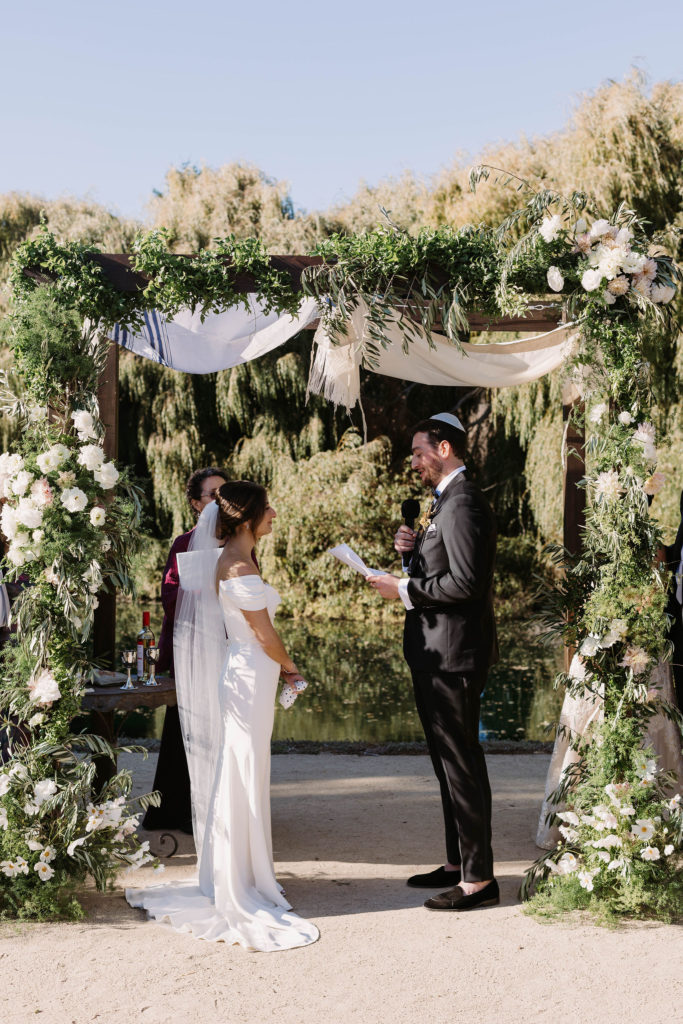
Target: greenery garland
{"type": "Point", "coordinates": [622, 830]}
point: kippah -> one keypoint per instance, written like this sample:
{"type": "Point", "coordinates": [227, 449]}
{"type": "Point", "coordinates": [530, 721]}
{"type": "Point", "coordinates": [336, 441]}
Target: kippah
{"type": "Point", "coordinates": [450, 419]}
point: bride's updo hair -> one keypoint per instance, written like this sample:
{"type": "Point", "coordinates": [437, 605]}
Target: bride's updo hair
{"type": "Point", "coordinates": [239, 502]}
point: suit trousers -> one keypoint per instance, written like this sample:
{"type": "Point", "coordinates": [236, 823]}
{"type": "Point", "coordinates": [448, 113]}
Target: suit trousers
{"type": "Point", "coordinates": [448, 705]}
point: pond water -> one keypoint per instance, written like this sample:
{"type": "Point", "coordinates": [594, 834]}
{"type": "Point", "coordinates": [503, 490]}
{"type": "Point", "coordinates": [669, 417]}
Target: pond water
{"type": "Point", "coordinates": [360, 687]}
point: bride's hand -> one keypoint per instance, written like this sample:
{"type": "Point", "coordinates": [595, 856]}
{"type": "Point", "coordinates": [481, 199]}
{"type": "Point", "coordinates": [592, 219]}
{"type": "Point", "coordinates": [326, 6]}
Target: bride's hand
{"type": "Point", "coordinates": [292, 676]}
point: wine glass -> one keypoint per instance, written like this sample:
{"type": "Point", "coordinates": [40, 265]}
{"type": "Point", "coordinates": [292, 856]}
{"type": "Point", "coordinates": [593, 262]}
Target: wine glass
{"type": "Point", "coordinates": [152, 655]}
{"type": "Point", "coordinates": [128, 658]}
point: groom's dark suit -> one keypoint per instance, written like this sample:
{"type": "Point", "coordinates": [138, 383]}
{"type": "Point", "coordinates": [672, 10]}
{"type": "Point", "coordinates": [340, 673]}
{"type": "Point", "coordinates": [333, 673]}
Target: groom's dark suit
{"type": "Point", "coordinates": [449, 644]}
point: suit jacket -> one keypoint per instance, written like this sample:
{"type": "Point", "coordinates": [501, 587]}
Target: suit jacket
{"type": "Point", "coordinates": [673, 558]}
{"type": "Point", "coordinates": [451, 627]}
{"type": "Point", "coordinates": [170, 582]}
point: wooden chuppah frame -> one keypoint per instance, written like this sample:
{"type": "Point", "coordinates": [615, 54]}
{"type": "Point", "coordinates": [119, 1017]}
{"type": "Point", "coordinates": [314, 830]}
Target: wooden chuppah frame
{"type": "Point", "coordinates": [540, 318]}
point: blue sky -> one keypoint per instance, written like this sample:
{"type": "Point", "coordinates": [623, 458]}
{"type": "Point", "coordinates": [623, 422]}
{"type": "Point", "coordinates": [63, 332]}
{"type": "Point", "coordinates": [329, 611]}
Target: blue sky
{"type": "Point", "coordinates": [100, 99]}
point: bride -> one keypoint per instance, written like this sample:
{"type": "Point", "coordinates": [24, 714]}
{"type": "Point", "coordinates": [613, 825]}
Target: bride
{"type": "Point", "coordinates": [226, 693]}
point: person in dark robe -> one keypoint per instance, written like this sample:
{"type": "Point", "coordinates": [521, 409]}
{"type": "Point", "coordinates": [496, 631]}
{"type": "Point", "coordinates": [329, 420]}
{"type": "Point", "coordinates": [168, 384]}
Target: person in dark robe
{"type": "Point", "coordinates": [673, 556]}
{"type": "Point", "coordinates": [172, 779]}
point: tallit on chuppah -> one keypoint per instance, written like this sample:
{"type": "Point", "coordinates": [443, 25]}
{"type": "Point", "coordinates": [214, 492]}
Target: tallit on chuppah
{"type": "Point", "coordinates": [242, 333]}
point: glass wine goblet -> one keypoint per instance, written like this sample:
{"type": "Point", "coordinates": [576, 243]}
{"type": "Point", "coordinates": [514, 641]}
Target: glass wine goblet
{"type": "Point", "coordinates": [128, 658]}
{"type": "Point", "coordinates": [152, 655]}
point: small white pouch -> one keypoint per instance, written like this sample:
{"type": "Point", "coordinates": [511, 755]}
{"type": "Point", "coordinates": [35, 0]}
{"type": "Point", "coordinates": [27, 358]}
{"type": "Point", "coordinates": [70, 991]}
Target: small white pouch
{"type": "Point", "coordinates": [290, 691]}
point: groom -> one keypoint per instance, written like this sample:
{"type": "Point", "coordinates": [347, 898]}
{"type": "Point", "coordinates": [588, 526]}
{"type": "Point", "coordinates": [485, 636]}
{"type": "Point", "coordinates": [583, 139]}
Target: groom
{"type": "Point", "coordinates": [449, 643]}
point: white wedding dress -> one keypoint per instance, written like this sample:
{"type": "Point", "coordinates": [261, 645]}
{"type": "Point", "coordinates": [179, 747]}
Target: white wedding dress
{"type": "Point", "coordinates": [236, 898]}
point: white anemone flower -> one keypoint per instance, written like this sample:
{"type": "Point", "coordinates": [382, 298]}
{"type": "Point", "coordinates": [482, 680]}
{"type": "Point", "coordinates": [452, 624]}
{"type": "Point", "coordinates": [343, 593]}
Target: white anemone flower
{"type": "Point", "coordinates": [586, 879]}
{"type": "Point", "coordinates": [48, 855]}
{"type": "Point", "coordinates": [649, 853]}
{"type": "Point", "coordinates": [569, 816]}
{"type": "Point", "coordinates": [643, 829]}
{"type": "Point", "coordinates": [45, 872]}
{"type": "Point", "coordinates": [74, 499]}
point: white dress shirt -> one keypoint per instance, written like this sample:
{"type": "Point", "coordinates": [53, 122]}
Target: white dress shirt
{"type": "Point", "coordinates": [438, 491]}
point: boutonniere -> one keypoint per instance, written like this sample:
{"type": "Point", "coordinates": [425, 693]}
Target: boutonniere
{"type": "Point", "coordinates": [426, 517]}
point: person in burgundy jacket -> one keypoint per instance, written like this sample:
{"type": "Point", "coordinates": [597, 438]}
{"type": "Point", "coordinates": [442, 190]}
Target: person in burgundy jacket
{"type": "Point", "coordinates": [172, 778]}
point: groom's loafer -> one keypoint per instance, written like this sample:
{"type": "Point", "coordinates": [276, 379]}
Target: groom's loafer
{"type": "Point", "coordinates": [456, 899]}
{"type": "Point", "coordinates": [437, 879]}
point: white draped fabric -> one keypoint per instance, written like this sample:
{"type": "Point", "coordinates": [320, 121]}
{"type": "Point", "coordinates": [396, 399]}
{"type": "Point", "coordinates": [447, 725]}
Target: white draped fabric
{"type": "Point", "coordinates": [242, 333]}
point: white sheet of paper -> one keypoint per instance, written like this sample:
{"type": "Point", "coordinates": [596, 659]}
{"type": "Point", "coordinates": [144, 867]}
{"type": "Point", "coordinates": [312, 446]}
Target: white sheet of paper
{"type": "Point", "coordinates": [349, 557]}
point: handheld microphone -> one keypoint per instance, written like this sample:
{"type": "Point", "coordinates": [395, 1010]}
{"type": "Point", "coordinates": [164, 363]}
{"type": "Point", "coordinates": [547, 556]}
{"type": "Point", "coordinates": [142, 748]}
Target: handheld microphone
{"type": "Point", "coordinates": [410, 509]}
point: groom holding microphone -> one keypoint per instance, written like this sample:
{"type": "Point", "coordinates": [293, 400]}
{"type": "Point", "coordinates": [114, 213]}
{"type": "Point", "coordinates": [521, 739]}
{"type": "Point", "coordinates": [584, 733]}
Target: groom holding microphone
{"type": "Point", "coordinates": [449, 643]}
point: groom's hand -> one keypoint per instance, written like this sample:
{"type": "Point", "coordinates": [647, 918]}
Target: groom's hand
{"type": "Point", "coordinates": [386, 585]}
{"type": "Point", "coordinates": [404, 540]}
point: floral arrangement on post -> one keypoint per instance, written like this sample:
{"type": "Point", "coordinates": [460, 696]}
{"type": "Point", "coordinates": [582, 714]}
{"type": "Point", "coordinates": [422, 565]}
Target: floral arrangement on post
{"type": "Point", "coordinates": [70, 518]}
{"type": "Point", "coordinates": [621, 850]}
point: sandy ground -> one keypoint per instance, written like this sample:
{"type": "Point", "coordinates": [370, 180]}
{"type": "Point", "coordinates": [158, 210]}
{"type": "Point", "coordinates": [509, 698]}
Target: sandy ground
{"type": "Point", "coordinates": [347, 832]}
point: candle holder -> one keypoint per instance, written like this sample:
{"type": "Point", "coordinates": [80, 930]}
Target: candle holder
{"type": "Point", "coordinates": [152, 655]}
{"type": "Point", "coordinates": [128, 658]}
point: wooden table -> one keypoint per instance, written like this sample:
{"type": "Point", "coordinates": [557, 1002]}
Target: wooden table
{"type": "Point", "coordinates": [103, 701]}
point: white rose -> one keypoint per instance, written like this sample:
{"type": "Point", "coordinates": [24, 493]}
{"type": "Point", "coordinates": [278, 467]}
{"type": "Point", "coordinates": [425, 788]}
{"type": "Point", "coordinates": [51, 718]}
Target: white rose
{"type": "Point", "coordinates": [591, 280]}
{"type": "Point", "coordinates": [97, 515]}
{"type": "Point", "coordinates": [555, 279]}
{"type": "Point", "coordinates": [91, 456]}
{"type": "Point", "coordinates": [21, 482]}
{"type": "Point", "coordinates": [44, 688]}
{"type": "Point", "coordinates": [84, 425]}
{"type": "Point", "coordinates": [73, 499]}
{"type": "Point", "coordinates": [28, 514]}
{"type": "Point", "coordinates": [550, 228]}
{"type": "Point", "coordinates": [8, 519]}
{"type": "Point", "coordinates": [106, 475]}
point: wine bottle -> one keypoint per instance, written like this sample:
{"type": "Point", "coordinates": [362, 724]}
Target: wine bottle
{"type": "Point", "coordinates": [145, 639]}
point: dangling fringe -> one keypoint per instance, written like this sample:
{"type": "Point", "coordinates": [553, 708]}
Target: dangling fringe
{"type": "Point", "coordinates": [335, 372]}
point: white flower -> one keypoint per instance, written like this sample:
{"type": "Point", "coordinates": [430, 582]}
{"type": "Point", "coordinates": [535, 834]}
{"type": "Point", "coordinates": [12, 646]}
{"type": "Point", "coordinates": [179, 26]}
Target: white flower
{"type": "Point", "coordinates": [649, 853]}
{"type": "Point", "coordinates": [10, 465]}
{"type": "Point", "coordinates": [603, 855]}
{"type": "Point", "coordinates": [91, 456]}
{"type": "Point", "coordinates": [590, 646]}
{"type": "Point", "coordinates": [570, 834]}
{"type": "Point", "coordinates": [627, 810]}
{"type": "Point", "coordinates": [66, 479]}
{"type": "Point", "coordinates": [21, 482]}
{"type": "Point", "coordinates": [52, 459]}
{"type": "Point", "coordinates": [636, 659]}
{"type": "Point", "coordinates": [84, 425]}
{"type": "Point", "coordinates": [580, 226]}
{"type": "Point", "coordinates": [97, 515]}
{"type": "Point", "coordinates": [617, 863]}
{"type": "Point", "coordinates": [673, 804]}
{"type": "Point", "coordinates": [9, 868]}
{"type": "Point", "coordinates": [72, 846]}
{"type": "Point", "coordinates": [41, 492]}
{"type": "Point", "coordinates": [625, 418]}
{"type": "Point", "coordinates": [106, 475]}
{"type": "Point", "coordinates": [43, 790]}
{"type": "Point", "coordinates": [642, 285]}
{"type": "Point", "coordinates": [634, 263]}
{"type": "Point", "coordinates": [609, 298]}
{"type": "Point", "coordinates": [44, 870]}
{"type": "Point", "coordinates": [599, 228]}
{"type": "Point", "coordinates": [48, 855]}
{"type": "Point", "coordinates": [607, 486]}
{"type": "Point", "coordinates": [44, 688]}
{"type": "Point", "coordinates": [555, 279]}
{"type": "Point", "coordinates": [17, 556]}
{"type": "Point", "coordinates": [668, 849]}
{"type": "Point", "coordinates": [598, 411]}
{"type": "Point", "coordinates": [654, 483]}
{"type": "Point", "coordinates": [662, 293]}
{"type": "Point", "coordinates": [593, 822]}
{"type": "Point", "coordinates": [591, 280]}
{"type": "Point", "coordinates": [28, 514]}
{"type": "Point", "coordinates": [106, 544]}
{"type": "Point", "coordinates": [3, 818]}
{"type": "Point", "coordinates": [19, 771]}
{"type": "Point", "coordinates": [569, 816]}
{"type": "Point", "coordinates": [31, 808]}
{"type": "Point", "coordinates": [618, 285]}
{"type": "Point", "coordinates": [586, 879]}
{"type": "Point", "coordinates": [159, 869]}
{"type": "Point", "coordinates": [605, 815]}
{"type": "Point", "coordinates": [643, 829]}
{"type": "Point", "coordinates": [550, 228]}
{"type": "Point", "coordinates": [74, 499]}
{"type": "Point", "coordinates": [5, 783]}
{"type": "Point", "coordinates": [34, 845]}
{"type": "Point", "coordinates": [10, 524]}
{"type": "Point", "coordinates": [608, 842]}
